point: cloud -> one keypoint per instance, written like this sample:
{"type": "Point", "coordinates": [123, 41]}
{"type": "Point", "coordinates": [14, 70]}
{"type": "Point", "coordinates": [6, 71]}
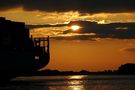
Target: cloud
{"type": "Point", "coordinates": [7, 4]}
{"type": "Point", "coordinates": [57, 33]}
{"type": "Point", "coordinates": [89, 6]}
{"type": "Point", "coordinates": [129, 49]}
{"type": "Point", "coordinates": [113, 30]}
{"type": "Point", "coordinates": [88, 30]}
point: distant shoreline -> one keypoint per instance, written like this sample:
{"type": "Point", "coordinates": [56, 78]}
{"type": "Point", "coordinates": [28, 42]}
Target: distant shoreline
{"type": "Point", "coordinates": [126, 69]}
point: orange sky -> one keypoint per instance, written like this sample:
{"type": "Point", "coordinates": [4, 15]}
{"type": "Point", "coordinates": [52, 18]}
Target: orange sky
{"type": "Point", "coordinates": [76, 55]}
{"type": "Point", "coordinates": [92, 55]}
{"type": "Point", "coordinates": [89, 55]}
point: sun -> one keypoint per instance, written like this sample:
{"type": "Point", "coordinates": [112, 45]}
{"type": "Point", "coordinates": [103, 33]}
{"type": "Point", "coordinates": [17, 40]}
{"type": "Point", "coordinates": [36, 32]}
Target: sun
{"type": "Point", "coordinates": [75, 27]}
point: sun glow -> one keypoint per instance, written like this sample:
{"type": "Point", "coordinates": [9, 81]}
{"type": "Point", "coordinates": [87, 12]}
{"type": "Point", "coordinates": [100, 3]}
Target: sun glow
{"type": "Point", "coordinates": [102, 22]}
{"type": "Point", "coordinates": [75, 27]}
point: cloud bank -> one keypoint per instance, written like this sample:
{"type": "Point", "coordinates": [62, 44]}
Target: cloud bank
{"type": "Point", "coordinates": [89, 6]}
{"type": "Point", "coordinates": [89, 30]}
{"type": "Point", "coordinates": [113, 30]}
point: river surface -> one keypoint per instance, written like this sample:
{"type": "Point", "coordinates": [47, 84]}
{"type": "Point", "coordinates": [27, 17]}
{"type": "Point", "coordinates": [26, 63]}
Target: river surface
{"type": "Point", "coordinates": [73, 82]}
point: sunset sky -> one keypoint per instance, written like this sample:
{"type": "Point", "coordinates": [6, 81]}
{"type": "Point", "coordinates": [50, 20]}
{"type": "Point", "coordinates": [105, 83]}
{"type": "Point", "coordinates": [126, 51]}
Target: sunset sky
{"type": "Point", "coordinates": [91, 49]}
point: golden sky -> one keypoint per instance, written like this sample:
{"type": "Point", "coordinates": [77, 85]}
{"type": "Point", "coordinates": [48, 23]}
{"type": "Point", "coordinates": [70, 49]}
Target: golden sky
{"type": "Point", "coordinates": [102, 54]}
{"type": "Point", "coordinates": [92, 55]}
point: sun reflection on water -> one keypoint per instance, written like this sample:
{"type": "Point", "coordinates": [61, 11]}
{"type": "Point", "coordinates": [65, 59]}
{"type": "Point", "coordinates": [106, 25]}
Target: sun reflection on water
{"type": "Point", "coordinates": [75, 85]}
{"type": "Point", "coordinates": [81, 87]}
{"type": "Point", "coordinates": [77, 77]}
{"type": "Point", "coordinates": [76, 82]}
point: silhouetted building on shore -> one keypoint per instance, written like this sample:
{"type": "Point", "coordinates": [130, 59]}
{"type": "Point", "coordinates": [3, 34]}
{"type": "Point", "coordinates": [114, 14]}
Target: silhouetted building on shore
{"type": "Point", "coordinates": [20, 53]}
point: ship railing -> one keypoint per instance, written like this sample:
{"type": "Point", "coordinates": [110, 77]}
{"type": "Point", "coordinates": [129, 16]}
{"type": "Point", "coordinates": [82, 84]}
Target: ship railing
{"type": "Point", "coordinates": [41, 42]}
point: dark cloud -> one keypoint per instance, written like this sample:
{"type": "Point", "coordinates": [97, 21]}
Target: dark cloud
{"type": "Point", "coordinates": [130, 49]}
{"type": "Point", "coordinates": [91, 30]}
{"type": "Point", "coordinates": [45, 25]}
{"type": "Point", "coordinates": [91, 6]}
{"type": "Point", "coordinates": [113, 30]}
{"type": "Point", "coordinates": [7, 4]}
{"type": "Point", "coordinates": [79, 37]}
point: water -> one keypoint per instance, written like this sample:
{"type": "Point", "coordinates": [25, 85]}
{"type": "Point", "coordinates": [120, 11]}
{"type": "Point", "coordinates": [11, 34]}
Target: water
{"type": "Point", "coordinates": [74, 82]}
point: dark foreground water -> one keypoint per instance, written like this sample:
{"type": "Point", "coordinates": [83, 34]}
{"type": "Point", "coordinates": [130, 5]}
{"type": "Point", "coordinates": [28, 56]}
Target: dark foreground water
{"type": "Point", "coordinates": [74, 82]}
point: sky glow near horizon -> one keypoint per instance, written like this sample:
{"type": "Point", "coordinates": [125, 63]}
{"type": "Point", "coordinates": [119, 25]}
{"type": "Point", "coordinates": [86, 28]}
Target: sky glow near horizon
{"type": "Point", "coordinates": [69, 51]}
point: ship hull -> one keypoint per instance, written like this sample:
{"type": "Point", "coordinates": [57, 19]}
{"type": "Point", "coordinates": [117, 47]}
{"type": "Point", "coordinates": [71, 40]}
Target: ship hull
{"type": "Point", "coordinates": [17, 64]}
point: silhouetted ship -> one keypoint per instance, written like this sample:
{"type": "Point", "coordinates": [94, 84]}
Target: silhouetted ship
{"type": "Point", "coordinates": [20, 53]}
